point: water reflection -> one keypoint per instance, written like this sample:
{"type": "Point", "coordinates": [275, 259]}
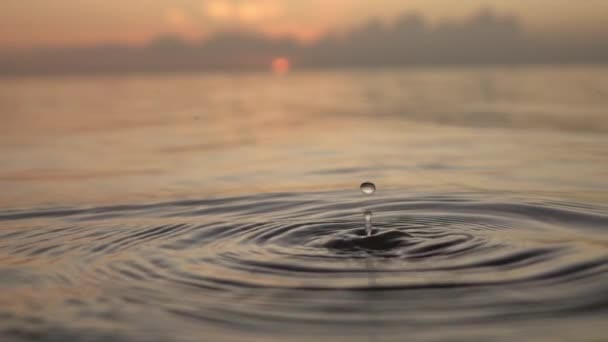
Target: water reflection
{"type": "Point", "coordinates": [192, 135]}
{"type": "Point", "coordinates": [223, 206]}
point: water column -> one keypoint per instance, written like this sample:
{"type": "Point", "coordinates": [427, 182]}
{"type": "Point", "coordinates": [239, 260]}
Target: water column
{"type": "Point", "coordinates": [368, 189]}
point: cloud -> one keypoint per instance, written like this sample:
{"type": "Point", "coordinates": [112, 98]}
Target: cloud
{"type": "Point", "coordinates": [249, 11]}
{"type": "Point", "coordinates": [484, 38]}
{"type": "Point", "coordinates": [219, 10]}
{"type": "Point", "coordinates": [181, 22]}
{"type": "Point", "coordinates": [176, 17]}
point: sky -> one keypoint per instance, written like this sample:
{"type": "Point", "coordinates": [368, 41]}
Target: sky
{"type": "Point", "coordinates": [57, 23]}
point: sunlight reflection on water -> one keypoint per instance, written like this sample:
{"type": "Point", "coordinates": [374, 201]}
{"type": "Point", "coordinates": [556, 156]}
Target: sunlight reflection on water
{"type": "Point", "coordinates": [226, 205]}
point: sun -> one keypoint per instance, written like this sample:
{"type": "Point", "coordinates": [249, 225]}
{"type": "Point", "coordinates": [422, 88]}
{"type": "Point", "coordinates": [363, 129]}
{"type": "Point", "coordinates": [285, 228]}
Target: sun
{"type": "Point", "coordinates": [280, 65]}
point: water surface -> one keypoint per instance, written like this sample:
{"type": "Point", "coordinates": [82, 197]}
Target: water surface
{"type": "Point", "coordinates": [226, 207]}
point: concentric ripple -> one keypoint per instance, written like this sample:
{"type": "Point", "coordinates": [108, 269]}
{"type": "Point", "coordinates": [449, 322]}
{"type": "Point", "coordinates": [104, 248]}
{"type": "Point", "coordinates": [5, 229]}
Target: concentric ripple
{"type": "Point", "coordinates": [301, 265]}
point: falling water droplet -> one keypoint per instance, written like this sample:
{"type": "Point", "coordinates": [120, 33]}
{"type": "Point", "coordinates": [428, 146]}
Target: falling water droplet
{"type": "Point", "coordinates": [368, 188]}
{"type": "Point", "coordinates": [368, 222]}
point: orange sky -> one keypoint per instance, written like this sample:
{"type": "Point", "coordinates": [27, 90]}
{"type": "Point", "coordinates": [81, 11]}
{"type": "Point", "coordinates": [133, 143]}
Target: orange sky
{"type": "Point", "coordinates": [27, 23]}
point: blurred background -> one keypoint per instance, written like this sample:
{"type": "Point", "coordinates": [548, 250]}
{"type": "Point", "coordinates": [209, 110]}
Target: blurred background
{"type": "Point", "coordinates": [108, 101]}
{"type": "Point", "coordinates": [189, 170]}
{"type": "Point", "coordinates": [67, 37]}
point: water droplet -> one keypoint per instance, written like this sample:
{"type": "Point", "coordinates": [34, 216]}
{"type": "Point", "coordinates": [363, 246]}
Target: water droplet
{"type": "Point", "coordinates": [368, 188]}
{"type": "Point", "coordinates": [368, 222]}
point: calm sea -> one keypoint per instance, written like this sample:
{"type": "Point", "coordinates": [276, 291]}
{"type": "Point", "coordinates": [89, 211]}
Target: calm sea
{"type": "Point", "coordinates": [226, 206]}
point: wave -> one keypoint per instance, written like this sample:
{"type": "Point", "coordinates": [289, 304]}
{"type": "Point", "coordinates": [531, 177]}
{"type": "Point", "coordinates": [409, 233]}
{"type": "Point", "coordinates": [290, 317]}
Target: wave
{"type": "Point", "coordinates": [275, 265]}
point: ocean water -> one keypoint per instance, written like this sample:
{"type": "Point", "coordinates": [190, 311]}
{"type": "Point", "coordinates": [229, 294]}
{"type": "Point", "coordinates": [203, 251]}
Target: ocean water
{"type": "Point", "coordinates": [226, 206]}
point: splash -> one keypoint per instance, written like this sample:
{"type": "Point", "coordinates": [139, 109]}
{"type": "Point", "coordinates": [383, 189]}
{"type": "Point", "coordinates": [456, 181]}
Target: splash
{"type": "Point", "coordinates": [368, 188]}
